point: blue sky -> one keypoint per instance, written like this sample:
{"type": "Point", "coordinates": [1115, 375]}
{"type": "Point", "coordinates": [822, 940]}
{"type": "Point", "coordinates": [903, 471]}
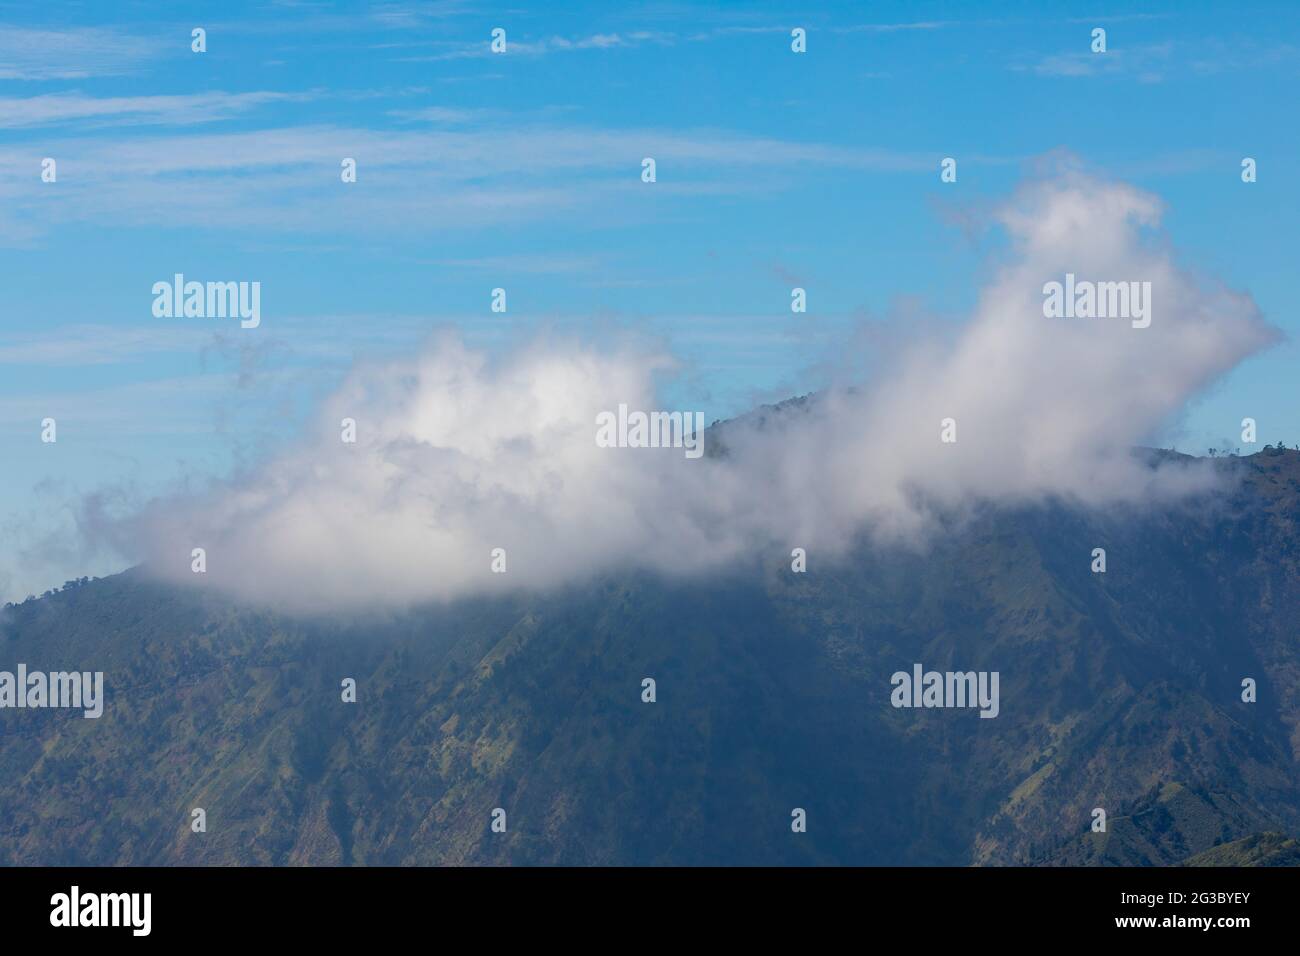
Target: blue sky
{"type": "Point", "coordinates": [522, 171]}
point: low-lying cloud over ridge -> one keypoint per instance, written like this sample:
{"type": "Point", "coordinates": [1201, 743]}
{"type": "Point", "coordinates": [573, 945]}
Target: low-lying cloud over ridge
{"type": "Point", "coordinates": [458, 453]}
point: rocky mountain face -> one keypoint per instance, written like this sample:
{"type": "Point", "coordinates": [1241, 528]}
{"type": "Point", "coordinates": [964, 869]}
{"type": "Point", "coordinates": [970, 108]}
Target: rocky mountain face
{"type": "Point", "coordinates": [1120, 691]}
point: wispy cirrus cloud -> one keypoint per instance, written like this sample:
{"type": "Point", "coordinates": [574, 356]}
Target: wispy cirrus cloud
{"type": "Point", "coordinates": [460, 50]}
{"type": "Point", "coordinates": [444, 115]}
{"type": "Point", "coordinates": [287, 179]}
{"type": "Point", "coordinates": [82, 345]}
{"type": "Point", "coordinates": [548, 264]}
{"type": "Point", "coordinates": [177, 110]}
{"type": "Point", "coordinates": [67, 54]}
{"type": "Point", "coordinates": [1152, 62]}
{"type": "Point", "coordinates": [896, 27]}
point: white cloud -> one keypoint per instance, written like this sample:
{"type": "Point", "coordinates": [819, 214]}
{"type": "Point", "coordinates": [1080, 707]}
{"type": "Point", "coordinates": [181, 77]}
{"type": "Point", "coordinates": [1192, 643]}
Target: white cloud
{"type": "Point", "coordinates": [458, 454]}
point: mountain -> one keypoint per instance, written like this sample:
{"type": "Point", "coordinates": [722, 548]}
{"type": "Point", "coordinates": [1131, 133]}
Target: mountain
{"type": "Point", "coordinates": [1264, 849]}
{"type": "Point", "coordinates": [1173, 824]}
{"type": "Point", "coordinates": [1119, 690]}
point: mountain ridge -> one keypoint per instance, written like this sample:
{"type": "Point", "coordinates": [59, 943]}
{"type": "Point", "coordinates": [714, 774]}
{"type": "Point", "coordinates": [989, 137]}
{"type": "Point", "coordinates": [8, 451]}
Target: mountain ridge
{"type": "Point", "coordinates": [773, 693]}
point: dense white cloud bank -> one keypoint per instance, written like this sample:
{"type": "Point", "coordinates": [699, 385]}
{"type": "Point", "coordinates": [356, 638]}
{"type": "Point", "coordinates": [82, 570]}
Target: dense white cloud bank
{"type": "Point", "coordinates": [458, 453]}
